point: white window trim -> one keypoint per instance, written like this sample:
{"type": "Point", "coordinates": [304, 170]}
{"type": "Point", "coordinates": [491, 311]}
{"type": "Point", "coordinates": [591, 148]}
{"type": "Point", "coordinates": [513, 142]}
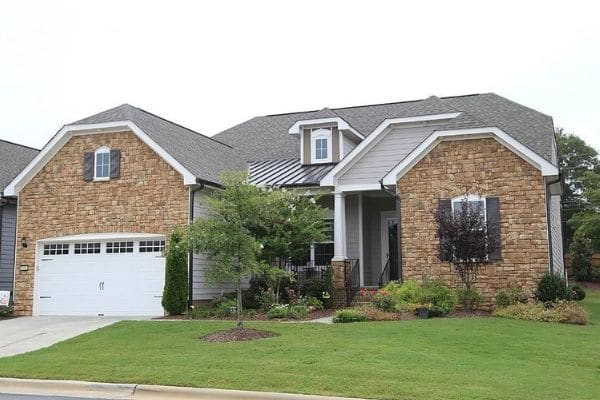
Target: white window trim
{"type": "Point", "coordinates": [469, 198]}
{"type": "Point", "coordinates": [101, 150]}
{"type": "Point", "coordinates": [321, 133]}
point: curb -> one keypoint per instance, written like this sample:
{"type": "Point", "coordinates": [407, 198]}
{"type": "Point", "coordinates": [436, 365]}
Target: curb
{"type": "Point", "coordinates": [141, 392]}
{"type": "Point", "coordinates": [66, 388]}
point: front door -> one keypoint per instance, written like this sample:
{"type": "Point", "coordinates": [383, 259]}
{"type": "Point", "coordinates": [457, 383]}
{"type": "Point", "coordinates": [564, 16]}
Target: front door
{"type": "Point", "coordinates": [389, 243]}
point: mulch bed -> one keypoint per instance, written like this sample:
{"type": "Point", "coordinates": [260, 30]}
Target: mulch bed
{"type": "Point", "coordinates": [259, 316]}
{"type": "Point", "coordinates": [474, 313]}
{"type": "Point", "coordinates": [237, 335]}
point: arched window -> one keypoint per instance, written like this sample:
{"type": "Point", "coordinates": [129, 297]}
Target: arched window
{"type": "Point", "coordinates": [102, 164]}
{"type": "Point", "coordinates": [321, 145]}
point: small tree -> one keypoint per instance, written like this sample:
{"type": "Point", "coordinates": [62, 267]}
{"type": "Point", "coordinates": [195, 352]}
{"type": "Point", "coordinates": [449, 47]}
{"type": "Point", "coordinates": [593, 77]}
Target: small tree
{"type": "Point", "coordinates": [175, 293]}
{"type": "Point", "coordinates": [465, 242]}
{"type": "Point", "coordinates": [226, 236]}
{"type": "Point", "coordinates": [581, 257]}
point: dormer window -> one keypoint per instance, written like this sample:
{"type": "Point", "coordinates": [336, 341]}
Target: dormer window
{"type": "Point", "coordinates": [321, 145]}
{"type": "Point", "coordinates": [102, 164]}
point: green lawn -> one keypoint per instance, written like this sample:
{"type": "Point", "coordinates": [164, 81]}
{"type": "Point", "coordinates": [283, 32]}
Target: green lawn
{"type": "Point", "coordinates": [468, 358]}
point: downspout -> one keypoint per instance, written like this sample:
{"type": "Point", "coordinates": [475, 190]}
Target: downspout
{"type": "Point", "coordinates": [399, 216]}
{"type": "Point", "coordinates": [191, 253]}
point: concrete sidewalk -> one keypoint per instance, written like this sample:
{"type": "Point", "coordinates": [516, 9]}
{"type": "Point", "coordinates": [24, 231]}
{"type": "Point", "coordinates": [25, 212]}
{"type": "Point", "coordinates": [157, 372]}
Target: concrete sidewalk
{"type": "Point", "coordinates": [24, 334]}
{"type": "Point", "coordinates": [139, 392]}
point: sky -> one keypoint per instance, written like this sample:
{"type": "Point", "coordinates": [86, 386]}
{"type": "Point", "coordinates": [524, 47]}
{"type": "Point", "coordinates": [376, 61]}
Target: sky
{"type": "Point", "coordinates": [212, 65]}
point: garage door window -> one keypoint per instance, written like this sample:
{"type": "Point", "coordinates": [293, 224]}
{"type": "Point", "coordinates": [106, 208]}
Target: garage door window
{"type": "Point", "coordinates": [87, 248]}
{"type": "Point", "coordinates": [152, 246]}
{"type": "Point", "coordinates": [119, 247]}
{"type": "Point", "coordinates": [56, 249]}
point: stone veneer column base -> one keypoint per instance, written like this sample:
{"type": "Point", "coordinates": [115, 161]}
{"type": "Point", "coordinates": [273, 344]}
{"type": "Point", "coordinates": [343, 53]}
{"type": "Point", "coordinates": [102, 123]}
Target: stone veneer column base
{"type": "Point", "coordinates": [338, 270]}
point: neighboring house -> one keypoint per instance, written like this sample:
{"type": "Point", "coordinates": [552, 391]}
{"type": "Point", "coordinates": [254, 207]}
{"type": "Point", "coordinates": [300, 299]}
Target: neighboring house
{"type": "Point", "coordinates": [96, 204]}
{"type": "Point", "coordinates": [13, 158]}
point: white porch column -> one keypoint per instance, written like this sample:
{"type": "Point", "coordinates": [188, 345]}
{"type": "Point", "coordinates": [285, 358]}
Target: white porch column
{"type": "Point", "coordinates": [339, 227]}
{"type": "Point", "coordinates": [361, 252]}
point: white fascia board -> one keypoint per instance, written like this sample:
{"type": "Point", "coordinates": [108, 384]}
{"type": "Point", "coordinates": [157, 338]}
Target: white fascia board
{"type": "Point", "coordinates": [331, 178]}
{"type": "Point", "coordinates": [428, 144]}
{"type": "Point", "coordinates": [342, 125]}
{"type": "Point", "coordinates": [358, 187]}
{"type": "Point", "coordinates": [103, 236]}
{"type": "Point", "coordinates": [68, 131]}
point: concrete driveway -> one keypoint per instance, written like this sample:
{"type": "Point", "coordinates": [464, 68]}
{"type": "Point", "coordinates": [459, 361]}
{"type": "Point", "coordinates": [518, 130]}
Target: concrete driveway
{"type": "Point", "coordinates": [20, 335]}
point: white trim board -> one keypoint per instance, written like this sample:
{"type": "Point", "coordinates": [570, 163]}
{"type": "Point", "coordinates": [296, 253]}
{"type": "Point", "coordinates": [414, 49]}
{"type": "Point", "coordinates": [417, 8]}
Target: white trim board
{"type": "Point", "coordinates": [331, 178]}
{"type": "Point", "coordinates": [68, 131]}
{"type": "Point", "coordinates": [436, 137]}
{"type": "Point", "coordinates": [342, 125]}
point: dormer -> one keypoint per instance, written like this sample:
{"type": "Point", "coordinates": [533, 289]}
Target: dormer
{"type": "Point", "coordinates": [325, 140]}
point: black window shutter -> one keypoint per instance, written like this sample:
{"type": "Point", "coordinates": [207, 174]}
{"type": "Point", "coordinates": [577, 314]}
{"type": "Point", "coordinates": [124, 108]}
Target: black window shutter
{"type": "Point", "coordinates": [88, 167]}
{"type": "Point", "coordinates": [492, 209]}
{"type": "Point", "coordinates": [445, 207]}
{"type": "Point", "coordinates": [115, 163]}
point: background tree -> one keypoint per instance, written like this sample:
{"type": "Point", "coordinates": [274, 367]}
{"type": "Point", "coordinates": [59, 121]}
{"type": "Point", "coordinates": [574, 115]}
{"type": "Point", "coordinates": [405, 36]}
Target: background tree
{"type": "Point", "coordinates": [464, 241]}
{"type": "Point", "coordinates": [226, 236]}
{"type": "Point", "coordinates": [581, 257]}
{"type": "Point", "coordinates": [577, 160]}
{"type": "Point", "coordinates": [175, 293]}
{"type": "Point", "coordinates": [586, 221]}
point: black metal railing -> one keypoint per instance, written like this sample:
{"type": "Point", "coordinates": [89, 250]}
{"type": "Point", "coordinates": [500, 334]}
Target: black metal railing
{"type": "Point", "coordinates": [384, 278]}
{"type": "Point", "coordinates": [306, 273]}
{"type": "Point", "coordinates": [352, 272]}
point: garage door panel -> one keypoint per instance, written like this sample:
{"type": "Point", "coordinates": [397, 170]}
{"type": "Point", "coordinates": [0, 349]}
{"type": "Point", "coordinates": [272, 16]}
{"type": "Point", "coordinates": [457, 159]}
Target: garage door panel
{"type": "Point", "coordinates": [101, 284]}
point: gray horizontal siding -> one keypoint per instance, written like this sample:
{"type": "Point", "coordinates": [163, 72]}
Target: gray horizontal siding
{"type": "Point", "coordinates": [395, 144]}
{"type": "Point", "coordinates": [556, 235]}
{"type": "Point", "coordinates": [349, 145]}
{"type": "Point", "coordinates": [352, 238]}
{"type": "Point", "coordinates": [8, 229]}
{"type": "Point", "coordinates": [201, 289]}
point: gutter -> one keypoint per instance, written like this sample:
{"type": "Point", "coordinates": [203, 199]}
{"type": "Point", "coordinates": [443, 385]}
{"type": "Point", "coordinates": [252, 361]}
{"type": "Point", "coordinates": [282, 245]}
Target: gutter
{"type": "Point", "coordinates": [399, 216]}
{"type": "Point", "coordinates": [191, 254]}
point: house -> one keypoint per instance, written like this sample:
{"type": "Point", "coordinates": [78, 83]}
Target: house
{"type": "Point", "coordinates": [96, 204]}
{"type": "Point", "coordinates": [13, 158]}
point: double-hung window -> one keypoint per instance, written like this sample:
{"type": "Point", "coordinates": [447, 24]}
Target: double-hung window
{"type": "Point", "coordinates": [102, 164]}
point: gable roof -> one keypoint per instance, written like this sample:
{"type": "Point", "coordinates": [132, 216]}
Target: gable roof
{"type": "Point", "coordinates": [14, 158]}
{"type": "Point", "coordinates": [266, 138]}
{"type": "Point", "coordinates": [203, 156]}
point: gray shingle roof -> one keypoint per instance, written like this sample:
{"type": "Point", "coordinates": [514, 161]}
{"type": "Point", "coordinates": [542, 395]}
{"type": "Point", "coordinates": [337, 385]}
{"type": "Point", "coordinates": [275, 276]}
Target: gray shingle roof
{"type": "Point", "coordinates": [13, 159]}
{"type": "Point", "coordinates": [204, 157]}
{"type": "Point", "coordinates": [267, 138]}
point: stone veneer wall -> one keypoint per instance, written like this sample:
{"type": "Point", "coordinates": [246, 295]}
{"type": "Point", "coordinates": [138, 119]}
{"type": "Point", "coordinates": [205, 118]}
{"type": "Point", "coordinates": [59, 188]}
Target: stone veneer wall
{"type": "Point", "coordinates": [485, 167]}
{"type": "Point", "coordinates": [148, 197]}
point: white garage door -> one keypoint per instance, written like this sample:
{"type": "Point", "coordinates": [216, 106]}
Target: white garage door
{"type": "Point", "coordinates": [113, 277]}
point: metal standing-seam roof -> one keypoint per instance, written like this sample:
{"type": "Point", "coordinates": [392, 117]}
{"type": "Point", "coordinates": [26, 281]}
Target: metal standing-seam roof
{"type": "Point", "coordinates": [13, 158]}
{"type": "Point", "coordinates": [267, 138]}
{"type": "Point", "coordinates": [287, 173]}
{"type": "Point", "coordinates": [205, 157]}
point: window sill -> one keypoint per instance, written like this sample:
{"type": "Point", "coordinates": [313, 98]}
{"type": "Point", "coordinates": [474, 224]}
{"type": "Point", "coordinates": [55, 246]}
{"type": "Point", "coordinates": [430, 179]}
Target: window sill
{"type": "Point", "coordinates": [101, 179]}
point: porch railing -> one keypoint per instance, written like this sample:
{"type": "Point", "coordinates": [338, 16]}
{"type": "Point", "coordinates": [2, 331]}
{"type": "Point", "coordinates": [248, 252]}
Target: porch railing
{"type": "Point", "coordinates": [384, 278]}
{"type": "Point", "coordinates": [352, 271]}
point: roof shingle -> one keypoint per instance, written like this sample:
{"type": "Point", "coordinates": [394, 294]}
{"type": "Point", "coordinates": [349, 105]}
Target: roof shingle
{"type": "Point", "coordinates": [14, 158]}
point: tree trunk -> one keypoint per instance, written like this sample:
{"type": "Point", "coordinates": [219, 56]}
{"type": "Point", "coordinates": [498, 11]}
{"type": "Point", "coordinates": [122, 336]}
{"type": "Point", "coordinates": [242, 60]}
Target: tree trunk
{"type": "Point", "coordinates": [238, 308]}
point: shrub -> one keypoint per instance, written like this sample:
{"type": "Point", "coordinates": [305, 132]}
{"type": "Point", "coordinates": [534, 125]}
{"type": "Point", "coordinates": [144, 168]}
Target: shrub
{"type": "Point", "coordinates": [438, 295]}
{"type": "Point", "coordinates": [315, 287]}
{"type": "Point", "coordinates": [311, 302]}
{"type": "Point", "coordinates": [562, 312]}
{"type": "Point", "coordinates": [266, 299]}
{"type": "Point", "coordinates": [374, 314]}
{"type": "Point", "coordinates": [552, 288]}
{"type": "Point", "coordinates": [349, 315]}
{"type": "Point", "coordinates": [223, 308]}
{"type": "Point", "coordinates": [577, 293]}
{"type": "Point", "coordinates": [383, 301]}
{"type": "Point", "coordinates": [462, 295]}
{"type": "Point", "coordinates": [175, 293]}
{"type": "Point", "coordinates": [285, 311]}
{"type": "Point", "coordinates": [409, 292]}
{"type": "Point", "coordinates": [509, 296]}
{"type": "Point", "coordinates": [437, 312]}
{"type": "Point", "coordinates": [6, 311]}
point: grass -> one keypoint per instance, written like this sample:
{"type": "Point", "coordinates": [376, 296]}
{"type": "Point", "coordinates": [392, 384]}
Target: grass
{"type": "Point", "coordinates": [452, 358]}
